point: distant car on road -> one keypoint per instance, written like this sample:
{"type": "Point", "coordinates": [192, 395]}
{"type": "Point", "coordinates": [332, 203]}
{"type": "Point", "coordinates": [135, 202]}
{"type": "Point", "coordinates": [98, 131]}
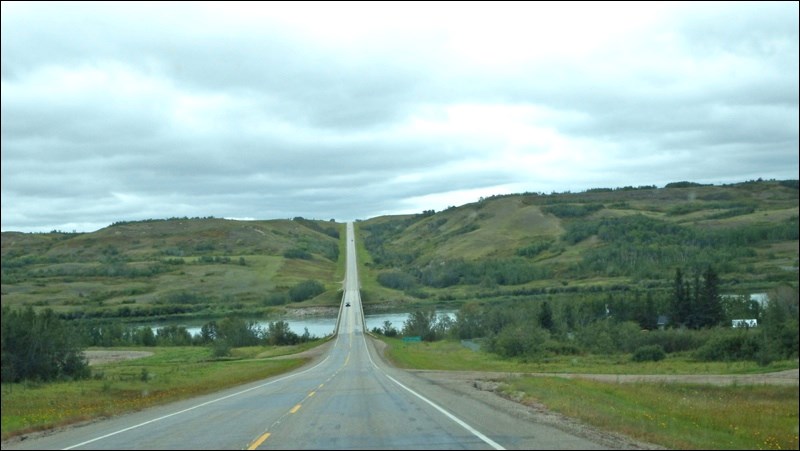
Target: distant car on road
{"type": "Point", "coordinates": [347, 304]}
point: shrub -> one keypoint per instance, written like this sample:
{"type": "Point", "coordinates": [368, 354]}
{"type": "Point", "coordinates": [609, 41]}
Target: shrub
{"type": "Point", "coordinates": [297, 253]}
{"type": "Point", "coordinates": [221, 348]}
{"type": "Point", "coordinates": [276, 299]}
{"type": "Point", "coordinates": [730, 347]}
{"type": "Point", "coordinates": [306, 290]}
{"type": "Point", "coordinates": [396, 279]}
{"type": "Point", "coordinates": [676, 340]}
{"type": "Point", "coordinates": [519, 341]}
{"type": "Point", "coordinates": [40, 346]}
{"type": "Point", "coordinates": [650, 353]}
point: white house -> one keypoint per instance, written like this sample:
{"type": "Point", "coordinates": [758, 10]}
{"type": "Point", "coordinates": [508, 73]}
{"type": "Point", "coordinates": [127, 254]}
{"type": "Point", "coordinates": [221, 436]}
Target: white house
{"type": "Point", "coordinates": [744, 323]}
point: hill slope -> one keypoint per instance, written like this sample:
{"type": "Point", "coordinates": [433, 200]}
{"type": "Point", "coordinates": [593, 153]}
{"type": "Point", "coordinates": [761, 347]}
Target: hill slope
{"type": "Point", "coordinates": [631, 237]}
{"type": "Point", "coordinates": [163, 268]}
{"type": "Point", "coordinates": [531, 243]}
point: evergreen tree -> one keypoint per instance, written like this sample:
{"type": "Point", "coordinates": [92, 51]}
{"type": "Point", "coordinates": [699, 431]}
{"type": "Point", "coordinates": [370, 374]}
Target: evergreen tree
{"type": "Point", "coordinates": [546, 317]}
{"type": "Point", "coordinates": [645, 312]}
{"type": "Point", "coordinates": [694, 303]}
{"type": "Point", "coordinates": [709, 303]}
{"type": "Point", "coordinates": [568, 316]}
{"type": "Point", "coordinates": [680, 299]}
{"type": "Point", "coordinates": [147, 337]}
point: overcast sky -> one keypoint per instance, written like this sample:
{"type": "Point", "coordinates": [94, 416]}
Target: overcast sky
{"type": "Point", "coordinates": [120, 112]}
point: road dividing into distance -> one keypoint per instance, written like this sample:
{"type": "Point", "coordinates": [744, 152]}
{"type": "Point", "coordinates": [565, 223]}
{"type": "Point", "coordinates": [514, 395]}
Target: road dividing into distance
{"type": "Point", "coordinates": [346, 399]}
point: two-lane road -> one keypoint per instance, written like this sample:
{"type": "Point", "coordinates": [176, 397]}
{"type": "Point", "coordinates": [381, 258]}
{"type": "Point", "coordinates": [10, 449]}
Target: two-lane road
{"type": "Point", "coordinates": [348, 399]}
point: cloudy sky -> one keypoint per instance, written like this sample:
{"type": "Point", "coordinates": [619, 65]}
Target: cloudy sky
{"type": "Point", "coordinates": [119, 112]}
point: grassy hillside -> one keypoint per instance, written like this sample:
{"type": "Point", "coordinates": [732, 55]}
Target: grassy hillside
{"type": "Point", "coordinates": [624, 238]}
{"type": "Point", "coordinates": [175, 267]}
{"type": "Point", "coordinates": [502, 246]}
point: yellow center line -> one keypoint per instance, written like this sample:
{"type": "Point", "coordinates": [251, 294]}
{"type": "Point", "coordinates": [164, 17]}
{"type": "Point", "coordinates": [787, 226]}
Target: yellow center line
{"type": "Point", "coordinates": [259, 441]}
{"type": "Point", "coordinates": [310, 394]}
{"type": "Point", "coordinates": [295, 408]}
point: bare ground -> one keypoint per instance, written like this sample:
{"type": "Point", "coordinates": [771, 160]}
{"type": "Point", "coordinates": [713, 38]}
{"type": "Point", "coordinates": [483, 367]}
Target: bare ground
{"type": "Point", "coordinates": [97, 357]}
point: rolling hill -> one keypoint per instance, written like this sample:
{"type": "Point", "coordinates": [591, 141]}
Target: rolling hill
{"type": "Point", "coordinates": [174, 267]}
{"type": "Point", "coordinates": [630, 238]}
{"type": "Point", "coordinates": [593, 240]}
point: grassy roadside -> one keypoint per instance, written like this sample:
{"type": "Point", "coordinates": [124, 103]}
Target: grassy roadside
{"type": "Point", "coordinates": [676, 416]}
{"type": "Point", "coordinates": [170, 374]}
{"type": "Point", "coordinates": [451, 355]}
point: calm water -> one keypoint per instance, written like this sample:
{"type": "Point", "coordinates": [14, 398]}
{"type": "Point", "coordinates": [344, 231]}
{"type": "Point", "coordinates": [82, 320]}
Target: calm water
{"type": "Point", "coordinates": [323, 325]}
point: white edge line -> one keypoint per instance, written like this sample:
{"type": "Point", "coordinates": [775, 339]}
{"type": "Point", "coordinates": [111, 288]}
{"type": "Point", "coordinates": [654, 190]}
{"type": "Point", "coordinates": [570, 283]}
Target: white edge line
{"type": "Point", "coordinates": [461, 423]}
{"type": "Point", "coordinates": [193, 407]}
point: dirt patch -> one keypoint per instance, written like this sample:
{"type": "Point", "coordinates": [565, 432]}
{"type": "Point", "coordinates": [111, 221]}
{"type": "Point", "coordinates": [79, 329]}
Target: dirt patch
{"type": "Point", "coordinates": [101, 357]}
{"type": "Point", "coordinates": [312, 354]}
{"type": "Point", "coordinates": [788, 377]}
{"type": "Point", "coordinates": [311, 312]}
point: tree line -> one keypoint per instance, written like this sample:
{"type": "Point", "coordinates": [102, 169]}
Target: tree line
{"type": "Point", "coordinates": [41, 346]}
{"type": "Point", "coordinates": [624, 322]}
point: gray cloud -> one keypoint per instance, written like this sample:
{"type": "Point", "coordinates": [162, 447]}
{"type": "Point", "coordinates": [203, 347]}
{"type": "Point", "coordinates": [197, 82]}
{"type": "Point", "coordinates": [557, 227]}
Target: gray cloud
{"type": "Point", "coordinates": [132, 111]}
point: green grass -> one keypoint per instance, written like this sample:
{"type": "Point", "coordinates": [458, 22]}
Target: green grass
{"type": "Point", "coordinates": [170, 374]}
{"type": "Point", "coordinates": [677, 416]}
{"type": "Point", "coordinates": [451, 355]}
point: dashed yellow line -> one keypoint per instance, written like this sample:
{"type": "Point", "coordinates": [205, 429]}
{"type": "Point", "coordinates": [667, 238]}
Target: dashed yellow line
{"type": "Point", "coordinates": [259, 441]}
{"type": "Point", "coordinates": [294, 409]}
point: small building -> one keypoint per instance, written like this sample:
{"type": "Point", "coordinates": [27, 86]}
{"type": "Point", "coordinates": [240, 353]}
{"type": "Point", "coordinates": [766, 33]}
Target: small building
{"type": "Point", "coordinates": [735, 323]}
{"type": "Point", "coordinates": [761, 298]}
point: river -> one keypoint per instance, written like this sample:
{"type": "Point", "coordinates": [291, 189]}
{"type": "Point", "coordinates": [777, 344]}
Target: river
{"type": "Point", "coordinates": [320, 326]}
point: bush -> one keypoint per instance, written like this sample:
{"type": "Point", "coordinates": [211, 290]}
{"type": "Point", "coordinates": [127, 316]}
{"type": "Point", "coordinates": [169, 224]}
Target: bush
{"type": "Point", "coordinates": [732, 346]}
{"type": "Point", "coordinates": [676, 340]}
{"type": "Point", "coordinates": [221, 348]}
{"type": "Point", "coordinates": [397, 280]}
{"type": "Point", "coordinates": [297, 253]}
{"type": "Point", "coordinates": [276, 299]}
{"type": "Point", "coordinates": [40, 346]}
{"type": "Point", "coordinates": [279, 334]}
{"type": "Point", "coordinates": [236, 332]}
{"type": "Point", "coordinates": [650, 353]}
{"type": "Point", "coordinates": [519, 341]}
{"type": "Point", "coordinates": [306, 290]}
